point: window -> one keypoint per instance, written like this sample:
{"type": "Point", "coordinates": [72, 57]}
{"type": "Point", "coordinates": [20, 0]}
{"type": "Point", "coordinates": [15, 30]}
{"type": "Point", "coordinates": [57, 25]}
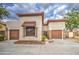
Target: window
{"type": "Point", "coordinates": [30, 31]}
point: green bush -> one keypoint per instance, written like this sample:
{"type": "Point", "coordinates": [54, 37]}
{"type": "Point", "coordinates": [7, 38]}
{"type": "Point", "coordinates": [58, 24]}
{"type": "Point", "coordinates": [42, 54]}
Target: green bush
{"type": "Point", "coordinates": [44, 38]}
{"type": "Point", "coordinates": [2, 37]}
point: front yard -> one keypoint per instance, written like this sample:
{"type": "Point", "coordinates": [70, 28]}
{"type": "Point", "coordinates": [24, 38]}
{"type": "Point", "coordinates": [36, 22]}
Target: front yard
{"type": "Point", "coordinates": [66, 46]}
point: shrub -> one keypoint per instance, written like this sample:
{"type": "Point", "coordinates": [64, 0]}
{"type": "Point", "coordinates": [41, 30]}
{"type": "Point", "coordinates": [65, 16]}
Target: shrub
{"type": "Point", "coordinates": [2, 37]}
{"type": "Point", "coordinates": [44, 38]}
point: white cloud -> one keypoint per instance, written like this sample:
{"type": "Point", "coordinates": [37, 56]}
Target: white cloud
{"type": "Point", "coordinates": [46, 19]}
{"type": "Point", "coordinates": [56, 12]}
{"type": "Point", "coordinates": [66, 11]}
{"type": "Point", "coordinates": [14, 8]}
{"type": "Point", "coordinates": [50, 8]}
{"type": "Point", "coordinates": [62, 7]}
{"type": "Point", "coordinates": [59, 17]}
{"type": "Point", "coordinates": [52, 17]}
{"type": "Point", "coordinates": [5, 20]}
{"type": "Point", "coordinates": [52, 11]}
{"type": "Point", "coordinates": [55, 17]}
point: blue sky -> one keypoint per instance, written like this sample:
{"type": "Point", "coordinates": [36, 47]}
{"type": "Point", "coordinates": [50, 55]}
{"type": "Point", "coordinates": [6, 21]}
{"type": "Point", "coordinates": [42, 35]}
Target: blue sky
{"type": "Point", "coordinates": [51, 10]}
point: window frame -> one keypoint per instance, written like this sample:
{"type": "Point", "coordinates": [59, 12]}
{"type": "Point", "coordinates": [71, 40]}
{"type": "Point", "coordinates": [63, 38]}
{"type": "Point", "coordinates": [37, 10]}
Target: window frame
{"type": "Point", "coordinates": [30, 27]}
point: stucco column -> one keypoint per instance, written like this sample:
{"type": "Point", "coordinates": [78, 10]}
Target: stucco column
{"type": "Point", "coordinates": [21, 33]}
{"type": "Point", "coordinates": [49, 34]}
{"type": "Point", "coordinates": [62, 34]}
{"type": "Point", "coordinates": [8, 34]}
{"type": "Point", "coordinates": [39, 33]}
{"type": "Point", "coordinates": [36, 31]}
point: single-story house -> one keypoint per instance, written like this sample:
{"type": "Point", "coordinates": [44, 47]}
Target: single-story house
{"type": "Point", "coordinates": [31, 26]}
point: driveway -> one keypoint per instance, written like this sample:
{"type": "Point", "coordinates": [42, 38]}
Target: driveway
{"type": "Point", "coordinates": [58, 47]}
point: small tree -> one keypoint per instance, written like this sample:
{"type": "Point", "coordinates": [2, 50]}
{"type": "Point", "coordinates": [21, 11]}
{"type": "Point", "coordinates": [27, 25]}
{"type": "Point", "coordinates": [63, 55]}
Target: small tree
{"type": "Point", "coordinates": [3, 13]}
{"type": "Point", "coordinates": [72, 20]}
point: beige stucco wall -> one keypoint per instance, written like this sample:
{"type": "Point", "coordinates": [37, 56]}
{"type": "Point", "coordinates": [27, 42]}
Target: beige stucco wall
{"type": "Point", "coordinates": [56, 25]}
{"type": "Point", "coordinates": [45, 28]}
{"type": "Point", "coordinates": [38, 20]}
{"type": "Point", "coordinates": [14, 24]}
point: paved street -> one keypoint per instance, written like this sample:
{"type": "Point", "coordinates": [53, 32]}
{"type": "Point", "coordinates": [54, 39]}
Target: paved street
{"type": "Point", "coordinates": [58, 47]}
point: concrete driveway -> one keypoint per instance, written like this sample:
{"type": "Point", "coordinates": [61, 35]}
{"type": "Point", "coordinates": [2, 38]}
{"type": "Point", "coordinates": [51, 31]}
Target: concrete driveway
{"type": "Point", "coordinates": [58, 47]}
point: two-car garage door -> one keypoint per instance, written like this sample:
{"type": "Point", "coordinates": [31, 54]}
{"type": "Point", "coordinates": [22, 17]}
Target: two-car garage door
{"type": "Point", "coordinates": [14, 34]}
{"type": "Point", "coordinates": [56, 34]}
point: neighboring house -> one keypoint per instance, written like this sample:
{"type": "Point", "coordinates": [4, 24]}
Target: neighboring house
{"type": "Point", "coordinates": [3, 29]}
{"type": "Point", "coordinates": [31, 27]}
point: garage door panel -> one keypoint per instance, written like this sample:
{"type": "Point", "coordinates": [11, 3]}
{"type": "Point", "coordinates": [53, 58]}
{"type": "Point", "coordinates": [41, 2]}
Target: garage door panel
{"type": "Point", "coordinates": [57, 34]}
{"type": "Point", "coordinates": [14, 34]}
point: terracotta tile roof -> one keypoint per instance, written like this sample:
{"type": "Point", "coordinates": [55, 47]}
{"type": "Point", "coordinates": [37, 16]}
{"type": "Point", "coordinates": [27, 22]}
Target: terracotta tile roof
{"type": "Point", "coordinates": [30, 14]}
{"type": "Point", "coordinates": [60, 20]}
